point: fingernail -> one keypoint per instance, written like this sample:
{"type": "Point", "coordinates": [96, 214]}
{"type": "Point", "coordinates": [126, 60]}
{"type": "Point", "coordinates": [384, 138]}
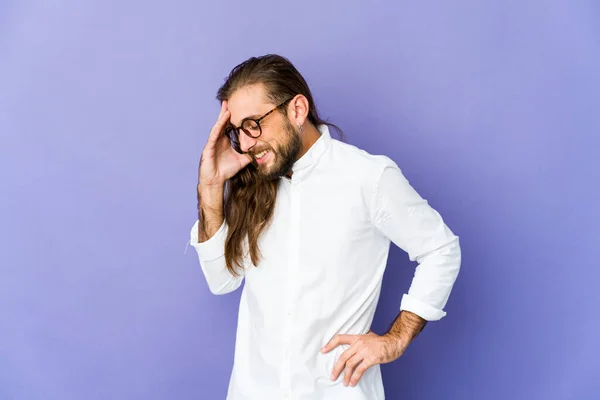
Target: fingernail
{"type": "Point", "coordinates": [332, 378]}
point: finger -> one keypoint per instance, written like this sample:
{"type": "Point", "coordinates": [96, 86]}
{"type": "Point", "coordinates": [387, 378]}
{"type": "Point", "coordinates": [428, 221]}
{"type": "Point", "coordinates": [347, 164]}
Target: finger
{"type": "Point", "coordinates": [359, 372]}
{"type": "Point", "coordinates": [336, 341]}
{"type": "Point", "coordinates": [223, 118]}
{"type": "Point", "coordinates": [351, 364]}
{"type": "Point", "coordinates": [341, 363]}
{"type": "Point", "coordinates": [223, 108]}
{"type": "Point", "coordinates": [219, 125]}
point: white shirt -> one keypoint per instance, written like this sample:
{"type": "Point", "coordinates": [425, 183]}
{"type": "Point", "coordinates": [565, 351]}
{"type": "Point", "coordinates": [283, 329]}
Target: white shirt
{"type": "Point", "coordinates": [324, 255]}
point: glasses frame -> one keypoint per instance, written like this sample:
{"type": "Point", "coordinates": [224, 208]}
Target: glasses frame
{"type": "Point", "coordinates": [232, 130]}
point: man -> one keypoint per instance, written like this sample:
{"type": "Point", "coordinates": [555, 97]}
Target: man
{"type": "Point", "coordinates": [307, 221]}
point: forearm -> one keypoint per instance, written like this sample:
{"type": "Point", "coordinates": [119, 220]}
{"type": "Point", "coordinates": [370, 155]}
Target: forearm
{"type": "Point", "coordinates": [210, 211]}
{"type": "Point", "coordinates": [405, 328]}
{"type": "Point", "coordinates": [433, 282]}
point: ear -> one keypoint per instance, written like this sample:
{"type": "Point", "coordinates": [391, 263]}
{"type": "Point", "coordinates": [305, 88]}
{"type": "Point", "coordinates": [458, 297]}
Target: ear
{"type": "Point", "coordinates": [298, 110]}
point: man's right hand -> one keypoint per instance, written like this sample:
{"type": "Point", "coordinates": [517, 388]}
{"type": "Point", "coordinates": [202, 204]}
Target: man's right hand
{"type": "Point", "coordinates": [218, 163]}
{"type": "Point", "coordinates": [219, 160]}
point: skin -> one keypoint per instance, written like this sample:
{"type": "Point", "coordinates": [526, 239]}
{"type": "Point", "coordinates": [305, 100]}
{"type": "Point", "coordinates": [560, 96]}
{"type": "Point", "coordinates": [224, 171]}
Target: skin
{"type": "Point", "coordinates": [220, 162]}
{"type": "Point", "coordinates": [280, 134]}
{"type": "Point", "coordinates": [371, 349]}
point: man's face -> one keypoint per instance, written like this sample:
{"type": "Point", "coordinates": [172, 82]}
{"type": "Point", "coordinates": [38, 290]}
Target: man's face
{"type": "Point", "coordinates": [279, 138]}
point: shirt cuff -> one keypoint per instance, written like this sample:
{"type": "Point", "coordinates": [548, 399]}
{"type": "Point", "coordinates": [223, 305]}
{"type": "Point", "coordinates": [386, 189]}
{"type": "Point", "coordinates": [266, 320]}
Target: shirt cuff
{"type": "Point", "coordinates": [214, 247]}
{"type": "Point", "coordinates": [423, 310]}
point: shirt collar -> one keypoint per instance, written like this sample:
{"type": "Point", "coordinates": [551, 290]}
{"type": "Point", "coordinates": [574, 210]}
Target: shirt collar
{"type": "Point", "coordinates": [305, 163]}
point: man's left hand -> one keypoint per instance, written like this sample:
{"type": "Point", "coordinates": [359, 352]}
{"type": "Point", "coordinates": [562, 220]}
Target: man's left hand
{"type": "Point", "coordinates": [364, 352]}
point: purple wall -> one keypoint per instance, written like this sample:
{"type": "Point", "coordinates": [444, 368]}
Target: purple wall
{"type": "Point", "coordinates": [490, 108]}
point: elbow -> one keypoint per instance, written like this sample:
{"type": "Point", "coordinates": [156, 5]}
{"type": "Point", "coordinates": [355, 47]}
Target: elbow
{"type": "Point", "coordinates": [219, 291]}
{"type": "Point", "coordinates": [218, 278]}
{"type": "Point", "coordinates": [226, 287]}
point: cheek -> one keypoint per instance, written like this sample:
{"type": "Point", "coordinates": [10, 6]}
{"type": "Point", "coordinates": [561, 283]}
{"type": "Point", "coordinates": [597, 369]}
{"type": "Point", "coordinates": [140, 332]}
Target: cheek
{"type": "Point", "coordinates": [272, 144]}
{"type": "Point", "coordinates": [278, 136]}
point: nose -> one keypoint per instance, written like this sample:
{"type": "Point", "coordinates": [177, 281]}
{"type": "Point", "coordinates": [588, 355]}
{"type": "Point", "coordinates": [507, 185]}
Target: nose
{"type": "Point", "coordinates": [246, 142]}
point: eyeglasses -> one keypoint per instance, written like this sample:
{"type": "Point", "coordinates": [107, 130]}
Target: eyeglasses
{"type": "Point", "coordinates": [250, 126]}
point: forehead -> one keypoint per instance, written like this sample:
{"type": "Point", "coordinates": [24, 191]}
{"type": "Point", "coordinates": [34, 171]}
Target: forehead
{"type": "Point", "coordinates": [248, 101]}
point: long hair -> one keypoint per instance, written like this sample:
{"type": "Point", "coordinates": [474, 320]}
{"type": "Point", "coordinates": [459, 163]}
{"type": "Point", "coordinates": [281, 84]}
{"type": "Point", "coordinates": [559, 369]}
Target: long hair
{"type": "Point", "coordinates": [249, 200]}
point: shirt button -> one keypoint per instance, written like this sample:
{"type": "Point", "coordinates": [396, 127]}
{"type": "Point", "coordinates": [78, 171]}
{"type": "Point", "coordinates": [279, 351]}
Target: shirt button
{"type": "Point", "coordinates": [289, 313]}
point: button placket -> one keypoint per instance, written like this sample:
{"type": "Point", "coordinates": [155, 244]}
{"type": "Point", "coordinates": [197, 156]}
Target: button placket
{"type": "Point", "coordinates": [294, 248]}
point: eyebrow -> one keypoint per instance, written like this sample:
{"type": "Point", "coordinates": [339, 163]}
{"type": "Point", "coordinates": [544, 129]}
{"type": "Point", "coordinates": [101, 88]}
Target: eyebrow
{"type": "Point", "coordinates": [253, 116]}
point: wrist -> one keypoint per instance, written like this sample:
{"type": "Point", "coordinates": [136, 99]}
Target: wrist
{"type": "Point", "coordinates": [211, 193]}
{"type": "Point", "coordinates": [399, 341]}
{"type": "Point", "coordinates": [404, 329]}
{"type": "Point", "coordinates": [211, 188]}
{"type": "Point", "coordinates": [210, 198]}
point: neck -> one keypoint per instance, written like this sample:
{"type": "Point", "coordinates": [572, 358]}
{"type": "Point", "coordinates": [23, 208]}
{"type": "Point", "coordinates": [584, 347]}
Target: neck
{"type": "Point", "coordinates": [310, 134]}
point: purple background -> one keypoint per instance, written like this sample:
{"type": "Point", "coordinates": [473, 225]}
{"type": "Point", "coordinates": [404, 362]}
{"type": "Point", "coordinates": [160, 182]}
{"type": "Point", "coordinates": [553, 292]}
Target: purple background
{"type": "Point", "coordinates": [489, 107]}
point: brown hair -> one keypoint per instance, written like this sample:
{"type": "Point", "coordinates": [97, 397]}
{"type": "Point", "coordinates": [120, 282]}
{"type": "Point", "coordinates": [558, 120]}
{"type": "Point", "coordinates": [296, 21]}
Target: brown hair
{"type": "Point", "coordinates": [249, 201]}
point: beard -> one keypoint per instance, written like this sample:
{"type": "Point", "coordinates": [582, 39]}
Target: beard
{"type": "Point", "coordinates": [285, 156]}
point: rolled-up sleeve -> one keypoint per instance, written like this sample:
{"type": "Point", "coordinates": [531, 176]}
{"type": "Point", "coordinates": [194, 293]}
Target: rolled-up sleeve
{"type": "Point", "coordinates": [211, 255]}
{"type": "Point", "coordinates": [408, 220]}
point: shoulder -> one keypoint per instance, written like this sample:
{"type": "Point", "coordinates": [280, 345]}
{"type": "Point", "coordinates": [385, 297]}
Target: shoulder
{"type": "Point", "coordinates": [355, 174]}
{"type": "Point", "coordinates": [356, 161]}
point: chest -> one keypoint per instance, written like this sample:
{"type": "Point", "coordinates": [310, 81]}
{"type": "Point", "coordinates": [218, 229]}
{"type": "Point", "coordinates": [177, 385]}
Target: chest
{"type": "Point", "coordinates": [316, 223]}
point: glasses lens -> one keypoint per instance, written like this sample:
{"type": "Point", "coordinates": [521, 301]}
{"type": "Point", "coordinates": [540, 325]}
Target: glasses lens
{"type": "Point", "coordinates": [251, 128]}
{"type": "Point", "coordinates": [234, 139]}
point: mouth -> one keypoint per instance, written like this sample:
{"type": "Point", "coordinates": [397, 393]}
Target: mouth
{"type": "Point", "coordinates": [262, 156]}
